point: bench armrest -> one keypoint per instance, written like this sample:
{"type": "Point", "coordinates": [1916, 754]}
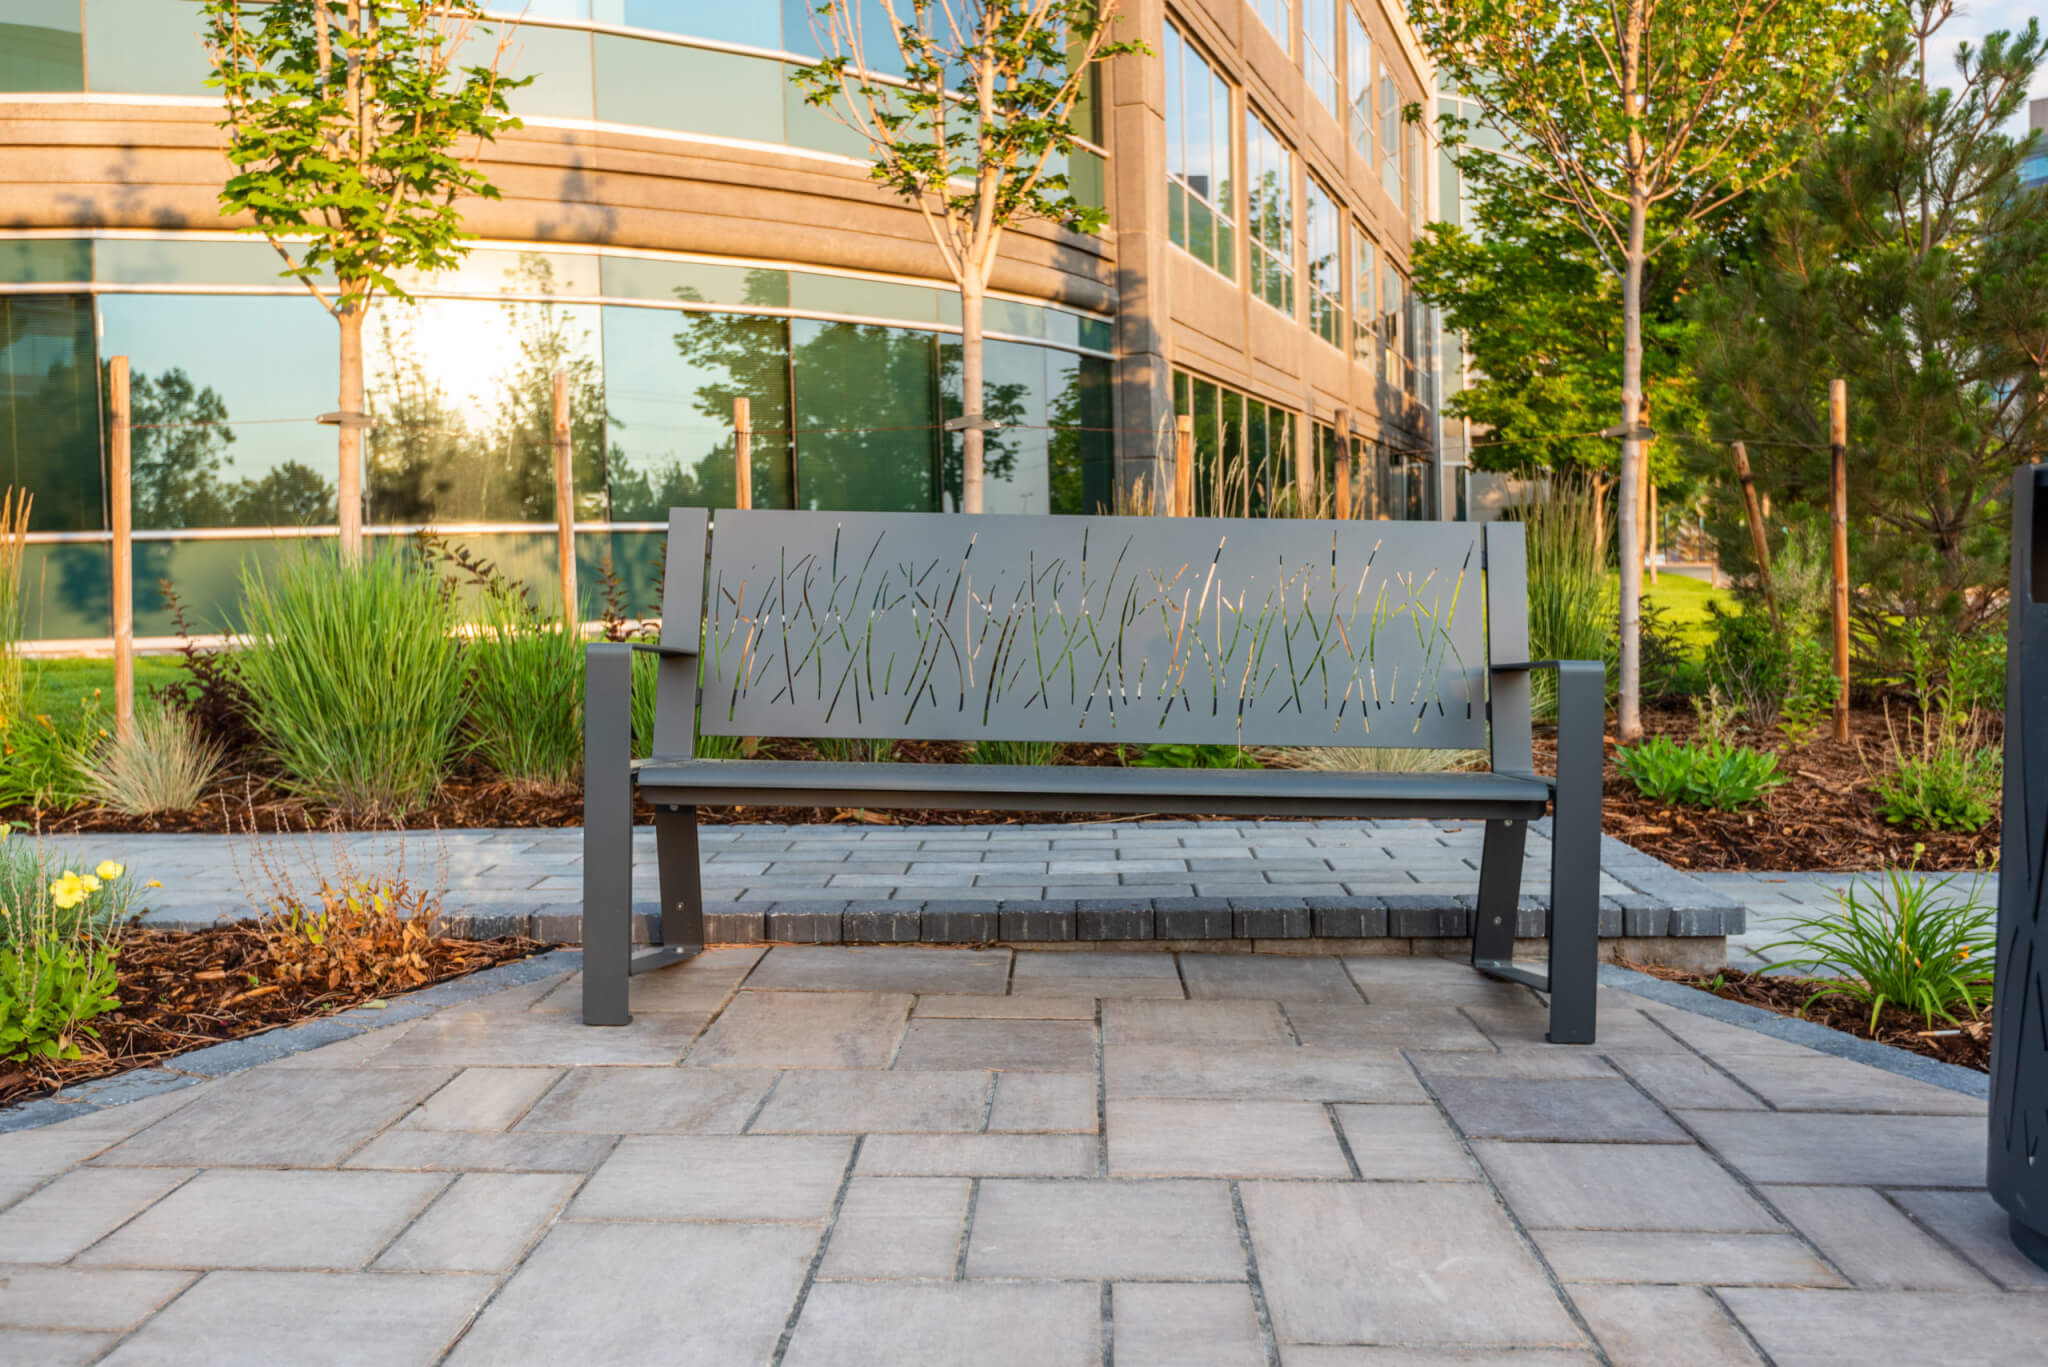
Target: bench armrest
{"type": "Point", "coordinates": [1581, 713]}
{"type": "Point", "coordinates": [608, 703]}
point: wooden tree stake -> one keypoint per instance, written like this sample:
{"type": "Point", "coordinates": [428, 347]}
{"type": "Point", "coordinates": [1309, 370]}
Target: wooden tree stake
{"type": "Point", "coordinates": [1838, 448]}
{"type": "Point", "coordinates": [565, 502]}
{"type": "Point", "coordinates": [1757, 540]}
{"type": "Point", "coordinates": [1183, 466]}
{"type": "Point", "coordinates": [742, 452]}
{"type": "Point", "coordinates": [121, 496]}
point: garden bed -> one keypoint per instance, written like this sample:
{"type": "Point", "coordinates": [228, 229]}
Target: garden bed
{"type": "Point", "coordinates": [1824, 818]}
{"type": "Point", "coordinates": [1967, 1043]}
{"type": "Point", "coordinates": [184, 990]}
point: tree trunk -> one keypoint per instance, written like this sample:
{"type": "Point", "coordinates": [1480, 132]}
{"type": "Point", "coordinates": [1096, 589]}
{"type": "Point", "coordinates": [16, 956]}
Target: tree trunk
{"type": "Point", "coordinates": [1629, 683]}
{"type": "Point", "coordinates": [349, 479]}
{"type": "Point", "coordinates": [970, 394]}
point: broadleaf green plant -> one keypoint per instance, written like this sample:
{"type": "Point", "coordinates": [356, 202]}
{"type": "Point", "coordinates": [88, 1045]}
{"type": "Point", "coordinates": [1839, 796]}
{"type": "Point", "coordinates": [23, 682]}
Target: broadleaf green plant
{"type": "Point", "coordinates": [344, 123]}
{"type": "Point", "coordinates": [974, 127]}
{"type": "Point", "coordinates": [1707, 773]}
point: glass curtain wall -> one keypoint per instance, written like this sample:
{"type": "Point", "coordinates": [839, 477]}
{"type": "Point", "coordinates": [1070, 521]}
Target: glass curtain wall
{"type": "Point", "coordinates": [1277, 16]}
{"type": "Point", "coordinates": [1390, 135]}
{"type": "Point", "coordinates": [1269, 209]}
{"type": "Point", "coordinates": [1358, 83]}
{"type": "Point", "coordinates": [1319, 50]}
{"type": "Point", "coordinates": [1364, 272]}
{"type": "Point", "coordinates": [1325, 265]}
{"type": "Point", "coordinates": [1244, 450]}
{"type": "Point", "coordinates": [1200, 152]}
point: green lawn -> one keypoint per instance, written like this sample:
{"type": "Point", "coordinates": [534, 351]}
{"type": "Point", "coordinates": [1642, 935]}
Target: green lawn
{"type": "Point", "coordinates": [1684, 601]}
{"type": "Point", "coordinates": [58, 687]}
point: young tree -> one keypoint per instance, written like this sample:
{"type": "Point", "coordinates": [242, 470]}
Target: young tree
{"type": "Point", "coordinates": [344, 119]}
{"type": "Point", "coordinates": [1907, 258]}
{"type": "Point", "coordinates": [1636, 117]}
{"type": "Point", "coordinates": [974, 131]}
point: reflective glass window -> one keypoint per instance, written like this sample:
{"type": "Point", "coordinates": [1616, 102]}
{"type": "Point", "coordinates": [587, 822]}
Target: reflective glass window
{"type": "Point", "coordinates": [45, 261]}
{"type": "Point", "coordinates": [1014, 459]}
{"type": "Point", "coordinates": [1244, 450]}
{"type": "Point", "coordinates": [1269, 208]}
{"type": "Point", "coordinates": [1325, 265]}
{"type": "Point", "coordinates": [1319, 49]}
{"type": "Point", "coordinates": [1081, 453]}
{"type": "Point", "coordinates": [154, 261]}
{"type": "Point", "coordinates": [1274, 14]}
{"type": "Point", "coordinates": [462, 390]}
{"type": "Point", "coordinates": [750, 22]}
{"type": "Point", "coordinates": [866, 417]}
{"type": "Point", "coordinates": [808, 33]}
{"type": "Point", "coordinates": [1411, 177]}
{"type": "Point", "coordinates": [1390, 135]}
{"type": "Point", "coordinates": [865, 298]}
{"type": "Point", "coordinates": [1358, 82]}
{"type": "Point", "coordinates": [670, 382]}
{"type": "Point", "coordinates": [40, 46]}
{"type": "Point", "coordinates": [225, 390]}
{"type": "Point", "coordinates": [689, 89]}
{"type": "Point", "coordinates": [1393, 321]}
{"type": "Point", "coordinates": [1364, 278]}
{"type": "Point", "coordinates": [557, 58]}
{"type": "Point", "coordinates": [49, 408]}
{"type": "Point", "coordinates": [640, 277]}
{"type": "Point", "coordinates": [147, 47]}
{"type": "Point", "coordinates": [1201, 206]}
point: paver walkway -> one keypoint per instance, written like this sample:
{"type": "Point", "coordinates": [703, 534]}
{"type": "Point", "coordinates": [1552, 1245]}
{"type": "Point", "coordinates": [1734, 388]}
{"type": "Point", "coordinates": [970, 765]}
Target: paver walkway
{"type": "Point", "coordinates": [824, 1155]}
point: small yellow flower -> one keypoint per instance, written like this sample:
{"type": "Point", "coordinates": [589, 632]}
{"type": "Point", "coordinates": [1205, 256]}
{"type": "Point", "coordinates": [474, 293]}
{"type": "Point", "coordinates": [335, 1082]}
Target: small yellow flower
{"type": "Point", "coordinates": [89, 883]}
{"type": "Point", "coordinates": [68, 891]}
{"type": "Point", "coordinates": [109, 871]}
{"type": "Point", "coordinates": [153, 883]}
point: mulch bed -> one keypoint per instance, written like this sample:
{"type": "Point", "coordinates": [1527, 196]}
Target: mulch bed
{"type": "Point", "coordinates": [1967, 1043]}
{"type": "Point", "coordinates": [184, 990]}
{"type": "Point", "coordinates": [1825, 818]}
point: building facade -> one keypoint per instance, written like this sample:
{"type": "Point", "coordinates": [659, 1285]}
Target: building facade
{"type": "Point", "coordinates": [678, 229]}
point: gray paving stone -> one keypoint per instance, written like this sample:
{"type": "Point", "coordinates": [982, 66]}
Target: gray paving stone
{"type": "Point", "coordinates": [483, 1223]}
{"type": "Point", "coordinates": [75, 1210]}
{"type": "Point", "coordinates": [1113, 920]}
{"type": "Point", "coordinates": [1058, 1046]}
{"type": "Point", "coordinates": [1608, 1110]}
{"type": "Point", "coordinates": [1168, 1231]}
{"type": "Point", "coordinates": [460, 1151]}
{"type": "Point", "coordinates": [1707, 1259]}
{"type": "Point", "coordinates": [1520, 1063]}
{"type": "Point", "coordinates": [1847, 1150]}
{"type": "Point", "coordinates": [1006, 1008]}
{"type": "Point", "coordinates": [978, 1155]}
{"type": "Point", "coordinates": [1278, 918]}
{"type": "Point", "coordinates": [1193, 918]}
{"type": "Point", "coordinates": [1273, 1073]}
{"type": "Point", "coordinates": [1819, 1083]}
{"type": "Point", "coordinates": [1876, 1246]}
{"type": "Point", "coordinates": [958, 923]}
{"type": "Point", "coordinates": [965, 1324]}
{"type": "Point", "coordinates": [84, 1299]}
{"type": "Point", "coordinates": [1404, 1143]}
{"type": "Point", "coordinates": [880, 969]}
{"type": "Point", "coordinates": [1398, 1263]}
{"type": "Point", "coordinates": [29, 1158]}
{"type": "Point", "coordinates": [1684, 1081]}
{"type": "Point", "coordinates": [483, 1099]}
{"type": "Point", "coordinates": [805, 1030]}
{"type": "Point", "coordinates": [270, 1220]}
{"type": "Point", "coordinates": [1638, 1326]}
{"type": "Point", "coordinates": [1397, 1025]}
{"type": "Point", "coordinates": [1348, 917]}
{"type": "Point", "coordinates": [275, 1117]}
{"type": "Point", "coordinates": [898, 1227]}
{"type": "Point", "coordinates": [1164, 1325]}
{"type": "Point", "coordinates": [1026, 920]}
{"type": "Point", "coordinates": [1267, 977]}
{"type": "Point", "coordinates": [1802, 1327]}
{"type": "Point", "coordinates": [1162, 1138]}
{"type": "Point", "coordinates": [609, 1295]}
{"type": "Point", "coordinates": [702, 1177]}
{"type": "Point", "coordinates": [1194, 1022]}
{"type": "Point", "coordinates": [1977, 1227]}
{"type": "Point", "coordinates": [651, 1101]}
{"type": "Point", "coordinates": [1621, 1186]}
{"type": "Point", "coordinates": [538, 1039]}
{"type": "Point", "coordinates": [862, 1100]}
{"type": "Point", "coordinates": [1043, 1103]}
{"type": "Point", "coordinates": [51, 1348]}
{"type": "Point", "coordinates": [320, 1319]}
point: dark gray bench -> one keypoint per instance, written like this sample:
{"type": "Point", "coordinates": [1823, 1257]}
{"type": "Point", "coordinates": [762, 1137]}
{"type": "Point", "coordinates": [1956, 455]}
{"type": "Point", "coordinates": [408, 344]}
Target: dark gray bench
{"type": "Point", "coordinates": [1136, 630]}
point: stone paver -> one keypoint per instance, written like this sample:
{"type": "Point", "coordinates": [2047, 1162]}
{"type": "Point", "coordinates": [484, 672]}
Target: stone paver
{"type": "Point", "coordinates": [906, 1155]}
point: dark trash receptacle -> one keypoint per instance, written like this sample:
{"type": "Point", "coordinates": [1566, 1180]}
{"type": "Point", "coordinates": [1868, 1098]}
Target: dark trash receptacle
{"type": "Point", "coordinates": [2018, 1169]}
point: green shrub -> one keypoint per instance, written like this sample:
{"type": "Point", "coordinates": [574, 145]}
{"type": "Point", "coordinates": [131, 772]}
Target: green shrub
{"type": "Point", "coordinates": [358, 684]}
{"type": "Point", "coordinates": [44, 757]}
{"type": "Point", "coordinates": [1810, 689]}
{"type": "Point", "coordinates": [14, 510]}
{"type": "Point", "coordinates": [1899, 941]}
{"type": "Point", "coordinates": [1708, 773]}
{"type": "Point", "coordinates": [1750, 664]}
{"type": "Point", "coordinates": [1570, 606]}
{"type": "Point", "coordinates": [1017, 751]}
{"type": "Point", "coordinates": [854, 749]}
{"type": "Point", "coordinates": [165, 766]}
{"type": "Point", "coordinates": [56, 949]}
{"type": "Point", "coordinates": [1193, 757]}
{"type": "Point", "coordinates": [526, 691]}
{"type": "Point", "coordinates": [1947, 779]}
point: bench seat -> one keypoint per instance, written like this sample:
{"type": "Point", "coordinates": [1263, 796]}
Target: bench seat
{"type": "Point", "coordinates": [1078, 788]}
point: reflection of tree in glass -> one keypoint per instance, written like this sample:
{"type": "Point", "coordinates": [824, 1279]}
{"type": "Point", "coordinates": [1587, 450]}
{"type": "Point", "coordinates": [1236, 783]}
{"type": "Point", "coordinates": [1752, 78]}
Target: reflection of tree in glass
{"type": "Point", "coordinates": [867, 417]}
{"type": "Point", "coordinates": [181, 447]}
{"type": "Point", "coordinates": [429, 464]}
{"type": "Point", "coordinates": [1005, 402]}
{"type": "Point", "coordinates": [1078, 455]}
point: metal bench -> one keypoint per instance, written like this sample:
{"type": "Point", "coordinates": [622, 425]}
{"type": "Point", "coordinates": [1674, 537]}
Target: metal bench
{"type": "Point", "coordinates": [1120, 629]}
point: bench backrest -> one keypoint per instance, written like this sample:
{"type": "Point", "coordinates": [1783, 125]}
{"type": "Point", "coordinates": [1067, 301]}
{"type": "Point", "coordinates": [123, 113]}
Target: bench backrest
{"type": "Point", "coordinates": [1139, 630]}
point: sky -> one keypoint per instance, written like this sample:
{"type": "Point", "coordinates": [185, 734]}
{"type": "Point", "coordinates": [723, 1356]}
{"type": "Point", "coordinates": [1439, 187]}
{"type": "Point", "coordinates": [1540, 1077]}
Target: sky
{"type": "Point", "coordinates": [1974, 19]}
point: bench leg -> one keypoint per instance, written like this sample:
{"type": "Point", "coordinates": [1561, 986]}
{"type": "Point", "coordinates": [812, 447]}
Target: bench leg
{"type": "Point", "coordinates": [1575, 864]}
{"type": "Point", "coordinates": [607, 840]}
{"type": "Point", "coordinates": [1500, 889]}
{"type": "Point", "coordinates": [682, 889]}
